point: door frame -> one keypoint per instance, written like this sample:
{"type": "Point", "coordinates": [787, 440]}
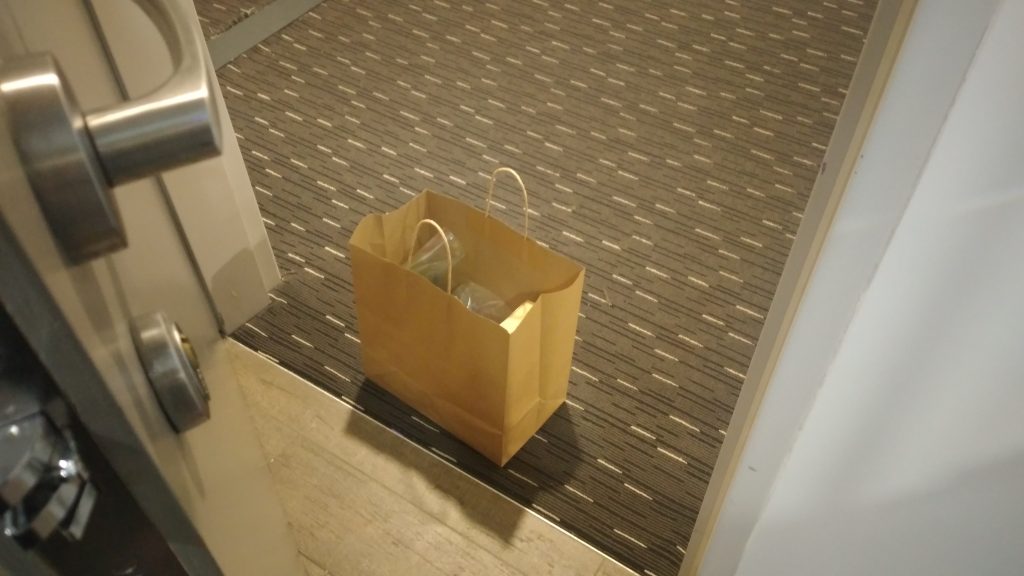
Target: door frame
{"type": "Point", "coordinates": [882, 45]}
{"type": "Point", "coordinates": [916, 58]}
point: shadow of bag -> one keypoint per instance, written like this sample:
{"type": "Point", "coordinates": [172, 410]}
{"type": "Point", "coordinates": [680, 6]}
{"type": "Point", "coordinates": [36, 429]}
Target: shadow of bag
{"type": "Point", "coordinates": [490, 387]}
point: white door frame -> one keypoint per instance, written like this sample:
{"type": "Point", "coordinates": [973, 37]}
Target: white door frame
{"type": "Point", "coordinates": [913, 63]}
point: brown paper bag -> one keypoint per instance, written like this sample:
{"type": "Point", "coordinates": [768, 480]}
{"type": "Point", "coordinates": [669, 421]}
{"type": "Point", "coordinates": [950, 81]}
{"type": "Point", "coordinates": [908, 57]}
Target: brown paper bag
{"type": "Point", "coordinates": [491, 388]}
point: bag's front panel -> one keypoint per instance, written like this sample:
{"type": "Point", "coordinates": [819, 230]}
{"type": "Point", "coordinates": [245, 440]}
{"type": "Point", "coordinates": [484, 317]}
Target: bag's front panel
{"type": "Point", "coordinates": [380, 295]}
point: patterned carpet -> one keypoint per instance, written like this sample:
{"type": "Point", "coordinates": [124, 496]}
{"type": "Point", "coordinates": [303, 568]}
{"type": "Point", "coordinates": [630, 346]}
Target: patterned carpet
{"type": "Point", "coordinates": [669, 146]}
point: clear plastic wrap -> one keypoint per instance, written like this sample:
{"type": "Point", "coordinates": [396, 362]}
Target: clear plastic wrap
{"type": "Point", "coordinates": [431, 260]}
{"type": "Point", "coordinates": [482, 301]}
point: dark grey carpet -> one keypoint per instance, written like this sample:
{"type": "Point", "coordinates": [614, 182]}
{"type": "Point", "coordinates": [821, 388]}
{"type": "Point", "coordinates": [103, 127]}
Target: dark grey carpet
{"type": "Point", "coordinates": [670, 147]}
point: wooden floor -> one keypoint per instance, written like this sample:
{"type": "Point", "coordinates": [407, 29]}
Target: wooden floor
{"type": "Point", "coordinates": [362, 500]}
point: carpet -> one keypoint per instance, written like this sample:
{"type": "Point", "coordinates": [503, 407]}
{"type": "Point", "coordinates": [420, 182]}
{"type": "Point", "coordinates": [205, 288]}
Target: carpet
{"type": "Point", "coordinates": [669, 147]}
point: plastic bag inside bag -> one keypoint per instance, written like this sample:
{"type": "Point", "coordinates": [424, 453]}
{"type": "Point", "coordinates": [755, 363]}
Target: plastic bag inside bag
{"type": "Point", "coordinates": [431, 260]}
{"type": "Point", "coordinates": [482, 301]}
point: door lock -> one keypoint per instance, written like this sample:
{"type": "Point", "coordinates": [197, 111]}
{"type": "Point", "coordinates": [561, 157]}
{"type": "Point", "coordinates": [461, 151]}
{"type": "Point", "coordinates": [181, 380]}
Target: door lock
{"type": "Point", "coordinates": [172, 367]}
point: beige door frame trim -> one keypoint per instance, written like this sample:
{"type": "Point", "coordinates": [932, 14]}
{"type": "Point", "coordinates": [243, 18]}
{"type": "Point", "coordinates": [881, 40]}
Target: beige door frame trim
{"type": "Point", "coordinates": [888, 29]}
{"type": "Point", "coordinates": [221, 226]}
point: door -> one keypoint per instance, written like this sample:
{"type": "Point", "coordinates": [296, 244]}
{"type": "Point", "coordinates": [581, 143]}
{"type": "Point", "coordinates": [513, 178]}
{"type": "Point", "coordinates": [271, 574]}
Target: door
{"type": "Point", "coordinates": [98, 274]}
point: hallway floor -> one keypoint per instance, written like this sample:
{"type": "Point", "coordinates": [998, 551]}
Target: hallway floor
{"type": "Point", "coordinates": [362, 500]}
{"type": "Point", "coordinates": [668, 146]}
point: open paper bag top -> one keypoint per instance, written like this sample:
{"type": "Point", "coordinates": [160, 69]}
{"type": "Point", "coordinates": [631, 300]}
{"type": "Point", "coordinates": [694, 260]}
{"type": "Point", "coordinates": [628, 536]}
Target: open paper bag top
{"type": "Point", "coordinates": [511, 265]}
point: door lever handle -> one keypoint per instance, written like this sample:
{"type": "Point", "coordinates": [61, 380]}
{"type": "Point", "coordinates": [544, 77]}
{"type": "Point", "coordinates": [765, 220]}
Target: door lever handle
{"type": "Point", "coordinates": [175, 124]}
{"type": "Point", "coordinates": [73, 159]}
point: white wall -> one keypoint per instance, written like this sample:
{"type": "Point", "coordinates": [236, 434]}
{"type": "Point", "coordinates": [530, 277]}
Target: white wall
{"type": "Point", "coordinates": [936, 52]}
{"type": "Point", "coordinates": [911, 460]}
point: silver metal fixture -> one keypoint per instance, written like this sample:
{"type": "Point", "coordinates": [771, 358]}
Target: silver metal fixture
{"type": "Point", "coordinates": [73, 158]}
{"type": "Point", "coordinates": [174, 125]}
{"type": "Point", "coordinates": [172, 367]}
{"type": "Point", "coordinates": [43, 484]}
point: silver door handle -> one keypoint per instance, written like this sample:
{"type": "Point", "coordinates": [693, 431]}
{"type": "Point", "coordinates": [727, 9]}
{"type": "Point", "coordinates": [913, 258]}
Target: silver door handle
{"type": "Point", "coordinates": [74, 159]}
{"type": "Point", "coordinates": [173, 125]}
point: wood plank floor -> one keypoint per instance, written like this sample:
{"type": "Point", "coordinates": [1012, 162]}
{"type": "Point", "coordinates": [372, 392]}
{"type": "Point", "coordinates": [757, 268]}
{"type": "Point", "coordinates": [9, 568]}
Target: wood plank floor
{"type": "Point", "coordinates": [362, 500]}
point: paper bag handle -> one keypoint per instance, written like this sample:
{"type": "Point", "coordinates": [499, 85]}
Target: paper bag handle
{"type": "Point", "coordinates": [444, 238]}
{"type": "Point", "coordinates": [526, 202]}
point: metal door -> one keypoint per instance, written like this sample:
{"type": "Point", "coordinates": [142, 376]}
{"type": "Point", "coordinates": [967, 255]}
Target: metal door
{"type": "Point", "coordinates": [98, 277]}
